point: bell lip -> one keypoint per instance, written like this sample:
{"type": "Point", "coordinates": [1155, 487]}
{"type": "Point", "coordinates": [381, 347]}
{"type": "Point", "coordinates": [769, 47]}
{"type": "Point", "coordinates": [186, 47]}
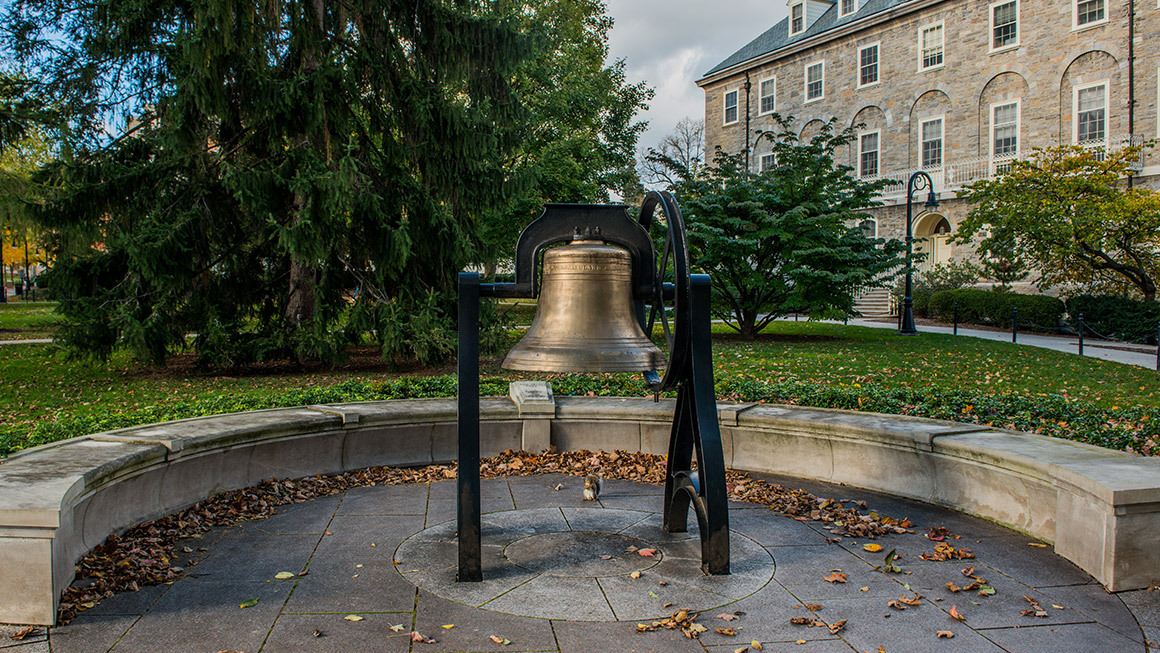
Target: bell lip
{"type": "Point", "coordinates": [647, 361]}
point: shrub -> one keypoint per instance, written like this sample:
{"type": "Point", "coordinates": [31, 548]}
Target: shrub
{"type": "Point", "coordinates": [1133, 428]}
{"type": "Point", "coordinates": [1122, 318]}
{"type": "Point", "coordinates": [993, 307]}
{"type": "Point", "coordinates": [952, 276]}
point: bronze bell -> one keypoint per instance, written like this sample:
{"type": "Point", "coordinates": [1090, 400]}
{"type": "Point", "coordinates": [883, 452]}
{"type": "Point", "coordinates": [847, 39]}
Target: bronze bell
{"type": "Point", "coordinates": [585, 321]}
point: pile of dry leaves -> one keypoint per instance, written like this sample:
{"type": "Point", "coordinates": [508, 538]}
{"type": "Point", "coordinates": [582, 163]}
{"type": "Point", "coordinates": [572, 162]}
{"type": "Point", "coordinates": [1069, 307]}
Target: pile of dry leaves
{"type": "Point", "coordinates": [148, 554]}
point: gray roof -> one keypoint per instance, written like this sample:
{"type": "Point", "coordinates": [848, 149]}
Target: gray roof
{"type": "Point", "coordinates": [778, 37]}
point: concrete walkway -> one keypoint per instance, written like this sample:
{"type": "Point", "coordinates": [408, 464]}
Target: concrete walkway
{"type": "Point", "coordinates": [376, 564]}
{"type": "Point", "coordinates": [1130, 354]}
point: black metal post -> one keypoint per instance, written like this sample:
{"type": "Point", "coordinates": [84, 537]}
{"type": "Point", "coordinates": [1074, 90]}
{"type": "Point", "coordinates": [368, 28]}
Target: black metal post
{"type": "Point", "coordinates": [1014, 323]}
{"type": "Point", "coordinates": [695, 428]}
{"type": "Point", "coordinates": [917, 181]}
{"type": "Point", "coordinates": [1081, 335]}
{"type": "Point", "coordinates": [469, 522]}
{"type": "Point", "coordinates": [1158, 348]}
{"type": "Point", "coordinates": [956, 318]}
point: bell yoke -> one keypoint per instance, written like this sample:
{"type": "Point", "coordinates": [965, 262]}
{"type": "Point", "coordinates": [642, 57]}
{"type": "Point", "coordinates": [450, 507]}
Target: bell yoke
{"type": "Point", "coordinates": [603, 291]}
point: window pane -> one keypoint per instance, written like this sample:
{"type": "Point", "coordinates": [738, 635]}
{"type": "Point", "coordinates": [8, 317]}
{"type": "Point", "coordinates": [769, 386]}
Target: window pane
{"type": "Point", "coordinates": [1090, 114]}
{"type": "Point", "coordinates": [731, 106]}
{"type": "Point", "coordinates": [869, 65]}
{"type": "Point", "coordinates": [868, 161]}
{"type": "Point", "coordinates": [767, 100]}
{"type": "Point", "coordinates": [932, 46]}
{"type": "Point", "coordinates": [1005, 27]}
{"type": "Point", "coordinates": [1089, 11]}
{"type": "Point", "coordinates": [814, 81]}
{"type": "Point", "coordinates": [1006, 130]}
{"type": "Point", "coordinates": [768, 162]}
{"type": "Point", "coordinates": [796, 20]}
{"type": "Point", "coordinates": [848, 7]}
{"type": "Point", "coordinates": [932, 144]}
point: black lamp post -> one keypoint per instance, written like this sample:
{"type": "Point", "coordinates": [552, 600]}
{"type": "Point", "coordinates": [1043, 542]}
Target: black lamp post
{"type": "Point", "coordinates": [918, 181]}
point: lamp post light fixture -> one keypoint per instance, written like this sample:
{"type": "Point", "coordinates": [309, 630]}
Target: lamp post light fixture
{"type": "Point", "coordinates": [601, 292]}
{"type": "Point", "coordinates": [918, 181]}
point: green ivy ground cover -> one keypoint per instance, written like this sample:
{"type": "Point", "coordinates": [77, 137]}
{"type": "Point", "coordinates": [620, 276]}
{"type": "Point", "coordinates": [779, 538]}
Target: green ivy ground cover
{"type": "Point", "coordinates": [43, 399]}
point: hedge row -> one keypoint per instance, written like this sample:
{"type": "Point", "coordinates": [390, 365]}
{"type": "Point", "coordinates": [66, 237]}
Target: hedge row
{"type": "Point", "coordinates": [1121, 318]}
{"type": "Point", "coordinates": [1134, 429]}
{"type": "Point", "coordinates": [994, 307]}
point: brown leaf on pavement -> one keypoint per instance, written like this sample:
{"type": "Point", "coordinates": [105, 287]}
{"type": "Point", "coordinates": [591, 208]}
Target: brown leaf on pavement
{"type": "Point", "coordinates": [944, 634]}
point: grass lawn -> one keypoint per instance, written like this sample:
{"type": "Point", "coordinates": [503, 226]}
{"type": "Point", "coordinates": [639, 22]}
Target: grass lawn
{"type": "Point", "coordinates": [27, 320]}
{"type": "Point", "coordinates": [37, 386]}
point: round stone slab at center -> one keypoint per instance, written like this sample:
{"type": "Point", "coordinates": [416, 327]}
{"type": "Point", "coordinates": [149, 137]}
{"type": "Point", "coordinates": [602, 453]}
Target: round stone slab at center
{"type": "Point", "coordinates": [581, 554]}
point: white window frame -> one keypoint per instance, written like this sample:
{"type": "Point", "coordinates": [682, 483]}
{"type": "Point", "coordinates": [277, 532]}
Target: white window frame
{"type": "Point", "coordinates": [1075, 16]}
{"type": "Point", "coordinates": [1075, 108]}
{"type": "Point", "coordinates": [942, 140]}
{"type": "Point", "coordinates": [877, 65]}
{"type": "Point", "coordinates": [761, 96]}
{"type": "Point", "coordinates": [843, 14]}
{"type": "Point", "coordinates": [802, 7]}
{"type": "Point", "coordinates": [725, 107]}
{"type": "Point", "coordinates": [865, 220]}
{"type": "Point", "coordinates": [877, 153]}
{"type": "Point", "coordinates": [806, 81]}
{"type": "Point", "coordinates": [991, 25]}
{"type": "Point", "coordinates": [921, 58]}
{"type": "Point", "coordinates": [768, 156]}
{"type": "Point", "coordinates": [1018, 128]}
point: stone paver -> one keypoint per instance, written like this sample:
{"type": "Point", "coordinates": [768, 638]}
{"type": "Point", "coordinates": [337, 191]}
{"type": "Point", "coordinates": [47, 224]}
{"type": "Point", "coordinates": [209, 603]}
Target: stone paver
{"type": "Point", "coordinates": [388, 555]}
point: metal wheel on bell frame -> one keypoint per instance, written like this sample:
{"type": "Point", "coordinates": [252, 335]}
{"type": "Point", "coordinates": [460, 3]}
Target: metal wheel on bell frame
{"type": "Point", "coordinates": [670, 302]}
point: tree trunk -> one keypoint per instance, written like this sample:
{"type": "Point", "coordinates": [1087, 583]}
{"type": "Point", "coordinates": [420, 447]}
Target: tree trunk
{"type": "Point", "coordinates": [300, 304]}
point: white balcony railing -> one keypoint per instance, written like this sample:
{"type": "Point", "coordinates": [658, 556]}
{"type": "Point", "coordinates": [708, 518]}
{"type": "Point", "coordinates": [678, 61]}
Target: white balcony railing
{"type": "Point", "coordinates": [955, 174]}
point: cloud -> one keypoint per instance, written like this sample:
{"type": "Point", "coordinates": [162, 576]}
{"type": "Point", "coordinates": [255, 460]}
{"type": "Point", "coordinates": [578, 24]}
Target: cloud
{"type": "Point", "coordinates": [672, 43]}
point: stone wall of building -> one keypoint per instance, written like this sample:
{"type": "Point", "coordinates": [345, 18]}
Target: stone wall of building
{"type": "Point", "coordinates": [1043, 72]}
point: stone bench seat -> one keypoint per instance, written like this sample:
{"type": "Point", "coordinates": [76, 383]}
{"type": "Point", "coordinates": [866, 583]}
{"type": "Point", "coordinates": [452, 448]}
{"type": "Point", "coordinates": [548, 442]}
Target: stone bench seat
{"type": "Point", "coordinates": [1100, 508]}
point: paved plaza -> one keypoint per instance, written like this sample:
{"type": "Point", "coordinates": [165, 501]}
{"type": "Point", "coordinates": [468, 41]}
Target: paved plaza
{"type": "Point", "coordinates": [370, 567]}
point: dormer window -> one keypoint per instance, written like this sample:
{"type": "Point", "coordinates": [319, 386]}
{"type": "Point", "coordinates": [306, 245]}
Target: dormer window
{"type": "Point", "coordinates": [797, 18]}
{"type": "Point", "coordinates": [847, 7]}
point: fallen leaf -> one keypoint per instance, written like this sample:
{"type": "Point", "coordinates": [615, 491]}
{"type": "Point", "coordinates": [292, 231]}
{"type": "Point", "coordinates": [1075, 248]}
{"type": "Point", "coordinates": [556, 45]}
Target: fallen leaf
{"type": "Point", "coordinates": [397, 628]}
{"type": "Point", "coordinates": [557, 488]}
{"type": "Point", "coordinates": [756, 645]}
{"type": "Point", "coordinates": [663, 583]}
{"type": "Point", "coordinates": [728, 632]}
{"type": "Point", "coordinates": [1038, 545]}
{"type": "Point", "coordinates": [606, 557]}
{"type": "Point", "coordinates": [631, 549]}
{"type": "Point", "coordinates": [353, 617]}
{"type": "Point", "coordinates": [317, 633]}
{"type": "Point", "coordinates": [954, 588]}
{"type": "Point", "coordinates": [725, 616]}
{"type": "Point", "coordinates": [248, 603]}
{"type": "Point", "coordinates": [836, 577]}
{"type": "Point", "coordinates": [954, 612]}
{"type": "Point", "coordinates": [648, 553]}
{"type": "Point", "coordinates": [872, 548]}
{"type": "Point", "coordinates": [743, 649]}
{"type": "Point", "coordinates": [667, 605]}
{"type": "Point", "coordinates": [283, 575]}
{"type": "Point", "coordinates": [447, 626]}
{"type": "Point", "coordinates": [499, 640]}
{"type": "Point", "coordinates": [1057, 607]}
{"type": "Point", "coordinates": [23, 632]}
{"type": "Point", "coordinates": [800, 641]}
{"type": "Point", "coordinates": [801, 621]}
{"type": "Point", "coordinates": [416, 637]}
{"type": "Point", "coordinates": [986, 590]}
{"type": "Point", "coordinates": [863, 589]}
{"type": "Point", "coordinates": [653, 595]}
{"type": "Point", "coordinates": [837, 626]}
{"type": "Point", "coordinates": [944, 633]}
{"type": "Point", "coordinates": [635, 574]}
{"type": "Point", "coordinates": [813, 607]}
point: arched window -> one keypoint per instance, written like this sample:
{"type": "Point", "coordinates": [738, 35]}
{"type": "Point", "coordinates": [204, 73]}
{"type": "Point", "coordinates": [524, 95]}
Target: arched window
{"type": "Point", "coordinates": [942, 228]}
{"type": "Point", "coordinates": [869, 228]}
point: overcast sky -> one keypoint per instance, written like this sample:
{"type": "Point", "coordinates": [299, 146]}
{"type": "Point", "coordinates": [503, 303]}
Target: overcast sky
{"type": "Point", "coordinates": [672, 43]}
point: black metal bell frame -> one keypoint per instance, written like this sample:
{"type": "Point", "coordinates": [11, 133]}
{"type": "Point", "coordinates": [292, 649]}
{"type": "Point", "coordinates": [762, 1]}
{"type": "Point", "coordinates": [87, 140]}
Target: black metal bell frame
{"type": "Point", "coordinates": [689, 369]}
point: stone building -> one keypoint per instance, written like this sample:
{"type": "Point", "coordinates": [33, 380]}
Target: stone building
{"type": "Point", "coordinates": [952, 87]}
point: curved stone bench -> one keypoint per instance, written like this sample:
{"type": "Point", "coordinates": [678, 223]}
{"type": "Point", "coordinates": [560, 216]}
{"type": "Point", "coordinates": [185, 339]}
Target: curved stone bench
{"type": "Point", "coordinates": [1100, 508]}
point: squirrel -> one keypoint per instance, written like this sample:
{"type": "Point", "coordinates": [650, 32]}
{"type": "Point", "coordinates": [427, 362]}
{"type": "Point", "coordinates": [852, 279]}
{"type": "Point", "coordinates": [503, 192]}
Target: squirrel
{"type": "Point", "coordinates": [591, 487]}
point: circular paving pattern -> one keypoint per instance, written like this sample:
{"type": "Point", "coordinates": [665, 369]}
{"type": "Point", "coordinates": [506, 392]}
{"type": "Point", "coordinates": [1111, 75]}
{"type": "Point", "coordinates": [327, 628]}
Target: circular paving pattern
{"type": "Point", "coordinates": [579, 563]}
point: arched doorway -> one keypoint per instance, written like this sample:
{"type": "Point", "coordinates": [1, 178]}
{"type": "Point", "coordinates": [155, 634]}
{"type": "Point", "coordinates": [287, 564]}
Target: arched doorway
{"type": "Point", "coordinates": [932, 233]}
